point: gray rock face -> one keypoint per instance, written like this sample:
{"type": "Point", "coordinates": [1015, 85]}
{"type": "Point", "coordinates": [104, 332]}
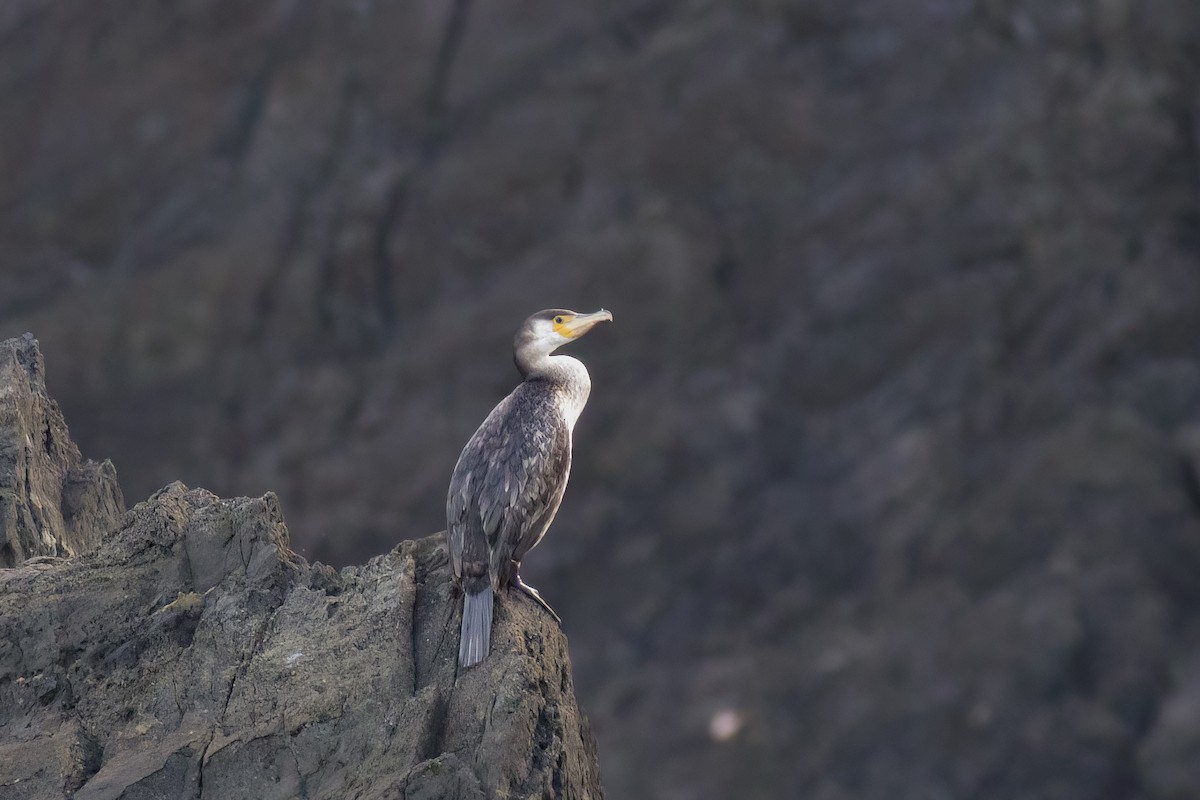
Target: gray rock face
{"type": "Point", "coordinates": [194, 655]}
{"type": "Point", "coordinates": [52, 502]}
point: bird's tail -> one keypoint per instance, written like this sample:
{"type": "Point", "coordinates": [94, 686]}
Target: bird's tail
{"type": "Point", "coordinates": [476, 638]}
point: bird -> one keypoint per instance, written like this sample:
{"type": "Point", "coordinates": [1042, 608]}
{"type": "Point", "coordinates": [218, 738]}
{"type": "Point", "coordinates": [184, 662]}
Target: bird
{"type": "Point", "coordinates": [510, 478]}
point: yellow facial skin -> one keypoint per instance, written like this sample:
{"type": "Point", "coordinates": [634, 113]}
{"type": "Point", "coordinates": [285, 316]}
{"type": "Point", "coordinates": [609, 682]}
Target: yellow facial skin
{"type": "Point", "coordinates": [560, 325]}
{"type": "Point", "coordinates": [572, 326]}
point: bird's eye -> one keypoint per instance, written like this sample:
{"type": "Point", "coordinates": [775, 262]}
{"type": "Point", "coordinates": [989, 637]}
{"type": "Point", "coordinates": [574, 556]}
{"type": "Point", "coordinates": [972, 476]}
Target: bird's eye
{"type": "Point", "coordinates": [558, 320]}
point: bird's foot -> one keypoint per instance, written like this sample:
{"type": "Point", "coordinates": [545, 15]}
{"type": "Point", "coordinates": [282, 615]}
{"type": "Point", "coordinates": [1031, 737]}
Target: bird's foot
{"type": "Point", "coordinates": [532, 592]}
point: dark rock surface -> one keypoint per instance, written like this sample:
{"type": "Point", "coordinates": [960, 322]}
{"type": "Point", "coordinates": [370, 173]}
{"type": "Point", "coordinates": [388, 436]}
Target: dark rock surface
{"type": "Point", "coordinates": [194, 655]}
{"type": "Point", "coordinates": [52, 502]}
{"type": "Point", "coordinates": [891, 458]}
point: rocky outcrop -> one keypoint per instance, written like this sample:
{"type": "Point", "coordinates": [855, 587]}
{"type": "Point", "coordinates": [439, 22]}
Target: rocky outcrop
{"type": "Point", "coordinates": [194, 655]}
{"type": "Point", "coordinates": [52, 501]}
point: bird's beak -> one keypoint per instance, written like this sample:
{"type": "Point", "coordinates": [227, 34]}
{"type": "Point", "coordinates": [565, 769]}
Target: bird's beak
{"type": "Point", "coordinates": [582, 323]}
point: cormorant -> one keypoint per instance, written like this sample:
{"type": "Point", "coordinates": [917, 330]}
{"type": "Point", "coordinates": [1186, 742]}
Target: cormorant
{"type": "Point", "coordinates": [510, 478]}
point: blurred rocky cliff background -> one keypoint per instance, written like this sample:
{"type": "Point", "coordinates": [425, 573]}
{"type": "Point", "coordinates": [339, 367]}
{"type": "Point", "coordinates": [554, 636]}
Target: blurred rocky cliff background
{"type": "Point", "coordinates": [890, 482]}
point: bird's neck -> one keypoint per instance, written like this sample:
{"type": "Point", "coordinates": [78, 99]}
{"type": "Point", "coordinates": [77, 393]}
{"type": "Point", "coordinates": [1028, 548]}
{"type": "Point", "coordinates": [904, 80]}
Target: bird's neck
{"type": "Point", "coordinates": [567, 376]}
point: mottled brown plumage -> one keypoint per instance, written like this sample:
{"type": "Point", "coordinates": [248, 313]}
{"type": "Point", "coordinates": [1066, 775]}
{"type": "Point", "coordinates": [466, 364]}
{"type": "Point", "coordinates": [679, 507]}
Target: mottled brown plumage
{"type": "Point", "coordinates": [510, 477]}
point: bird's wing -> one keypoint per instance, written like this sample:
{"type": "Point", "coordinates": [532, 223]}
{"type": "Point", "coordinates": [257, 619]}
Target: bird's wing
{"type": "Point", "coordinates": [457, 507]}
{"type": "Point", "coordinates": [507, 485]}
{"type": "Point", "coordinates": [466, 540]}
{"type": "Point", "coordinates": [472, 510]}
{"type": "Point", "coordinates": [540, 476]}
{"type": "Point", "coordinates": [526, 455]}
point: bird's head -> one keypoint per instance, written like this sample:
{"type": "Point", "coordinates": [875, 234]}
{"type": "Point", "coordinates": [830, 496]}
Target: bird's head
{"type": "Point", "coordinates": [550, 329]}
